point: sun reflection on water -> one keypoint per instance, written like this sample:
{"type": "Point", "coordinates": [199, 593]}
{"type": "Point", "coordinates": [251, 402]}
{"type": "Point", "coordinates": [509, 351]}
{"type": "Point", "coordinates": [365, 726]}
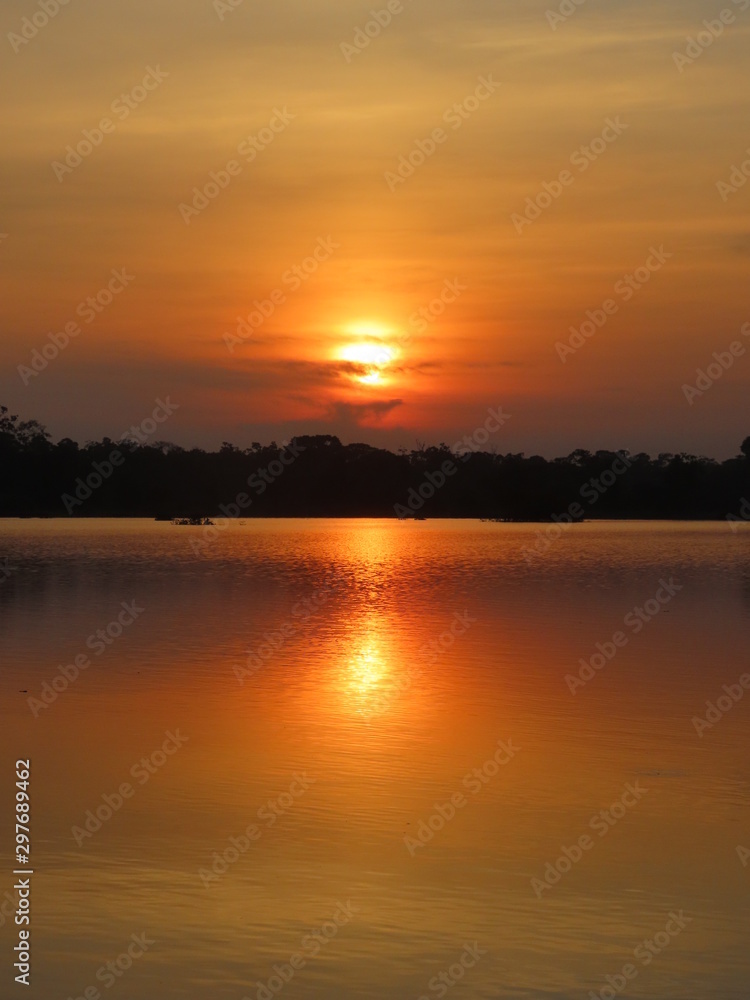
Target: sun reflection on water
{"type": "Point", "coordinates": [367, 678]}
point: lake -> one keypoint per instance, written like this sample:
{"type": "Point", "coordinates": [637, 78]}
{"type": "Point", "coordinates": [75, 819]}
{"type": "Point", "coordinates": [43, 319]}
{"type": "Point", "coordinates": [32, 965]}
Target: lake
{"type": "Point", "coordinates": [379, 759]}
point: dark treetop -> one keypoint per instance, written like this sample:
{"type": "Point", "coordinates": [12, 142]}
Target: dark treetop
{"type": "Point", "coordinates": [319, 477]}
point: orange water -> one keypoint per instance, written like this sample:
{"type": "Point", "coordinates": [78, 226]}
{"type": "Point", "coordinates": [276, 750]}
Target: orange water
{"type": "Point", "coordinates": [383, 729]}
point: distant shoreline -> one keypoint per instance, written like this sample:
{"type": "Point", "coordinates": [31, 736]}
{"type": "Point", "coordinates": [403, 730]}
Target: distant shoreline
{"type": "Point", "coordinates": [319, 477]}
{"type": "Point", "coordinates": [362, 517]}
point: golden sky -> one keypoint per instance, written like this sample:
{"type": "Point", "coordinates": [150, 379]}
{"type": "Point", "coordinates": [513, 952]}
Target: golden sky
{"type": "Point", "coordinates": [305, 129]}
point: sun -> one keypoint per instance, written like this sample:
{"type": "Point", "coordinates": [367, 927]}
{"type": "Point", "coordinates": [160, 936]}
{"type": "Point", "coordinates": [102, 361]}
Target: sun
{"type": "Point", "coordinates": [370, 357]}
{"type": "Point", "coordinates": [371, 360]}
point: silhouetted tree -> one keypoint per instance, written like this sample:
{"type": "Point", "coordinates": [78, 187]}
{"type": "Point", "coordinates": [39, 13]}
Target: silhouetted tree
{"type": "Point", "coordinates": [322, 477]}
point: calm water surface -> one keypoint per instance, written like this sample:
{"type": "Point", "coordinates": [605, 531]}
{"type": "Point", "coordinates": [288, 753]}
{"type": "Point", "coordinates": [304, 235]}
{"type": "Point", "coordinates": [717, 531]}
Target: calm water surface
{"type": "Point", "coordinates": [315, 666]}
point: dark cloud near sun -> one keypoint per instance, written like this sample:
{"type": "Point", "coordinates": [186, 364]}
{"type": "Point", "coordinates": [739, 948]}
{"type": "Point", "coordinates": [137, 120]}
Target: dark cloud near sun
{"type": "Point", "coordinates": [358, 413]}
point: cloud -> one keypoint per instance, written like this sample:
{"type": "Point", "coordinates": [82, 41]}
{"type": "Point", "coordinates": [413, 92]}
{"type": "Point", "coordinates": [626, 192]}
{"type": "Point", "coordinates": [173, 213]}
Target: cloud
{"type": "Point", "coordinates": [361, 414]}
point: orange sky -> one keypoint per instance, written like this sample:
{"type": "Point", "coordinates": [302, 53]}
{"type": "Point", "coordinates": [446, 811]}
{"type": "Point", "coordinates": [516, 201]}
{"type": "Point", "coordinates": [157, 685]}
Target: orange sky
{"type": "Point", "coordinates": [306, 133]}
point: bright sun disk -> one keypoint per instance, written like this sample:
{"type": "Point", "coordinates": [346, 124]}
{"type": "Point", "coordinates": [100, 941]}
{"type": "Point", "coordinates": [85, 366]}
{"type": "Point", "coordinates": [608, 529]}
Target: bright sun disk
{"type": "Point", "coordinates": [373, 357]}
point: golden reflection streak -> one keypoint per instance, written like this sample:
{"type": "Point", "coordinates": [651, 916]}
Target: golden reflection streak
{"type": "Point", "coordinates": [368, 675]}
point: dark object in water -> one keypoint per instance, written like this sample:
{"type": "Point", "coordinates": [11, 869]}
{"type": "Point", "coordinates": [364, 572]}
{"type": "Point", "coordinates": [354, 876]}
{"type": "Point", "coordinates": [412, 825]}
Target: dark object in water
{"type": "Point", "coordinates": [534, 520]}
{"type": "Point", "coordinates": [194, 522]}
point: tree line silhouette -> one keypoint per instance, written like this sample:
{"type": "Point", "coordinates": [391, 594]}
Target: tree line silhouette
{"type": "Point", "coordinates": [318, 476]}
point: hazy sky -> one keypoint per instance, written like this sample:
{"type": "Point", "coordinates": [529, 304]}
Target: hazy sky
{"type": "Point", "coordinates": [317, 126]}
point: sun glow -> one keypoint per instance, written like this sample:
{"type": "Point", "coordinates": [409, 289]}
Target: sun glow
{"type": "Point", "coordinates": [370, 358]}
